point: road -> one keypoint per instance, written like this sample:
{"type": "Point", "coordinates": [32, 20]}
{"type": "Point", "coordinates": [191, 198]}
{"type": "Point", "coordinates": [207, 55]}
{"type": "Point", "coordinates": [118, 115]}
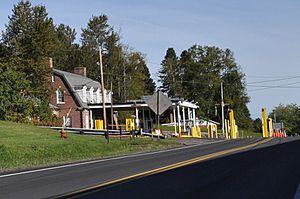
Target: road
{"type": "Point", "coordinates": [260, 171]}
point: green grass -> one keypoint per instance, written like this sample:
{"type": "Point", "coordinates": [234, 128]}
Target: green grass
{"type": "Point", "coordinates": [248, 133]}
{"type": "Point", "coordinates": [167, 128]}
{"type": "Point", "coordinates": [171, 128]}
{"type": "Point", "coordinates": [23, 146]}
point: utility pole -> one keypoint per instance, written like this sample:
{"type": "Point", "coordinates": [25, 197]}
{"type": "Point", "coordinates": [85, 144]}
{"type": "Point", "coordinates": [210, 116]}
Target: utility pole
{"type": "Point", "coordinates": [157, 108]}
{"type": "Point", "coordinates": [103, 89]}
{"type": "Point", "coordinates": [222, 107]}
{"type": "Point", "coordinates": [111, 108]}
{"type": "Point", "coordinates": [124, 82]}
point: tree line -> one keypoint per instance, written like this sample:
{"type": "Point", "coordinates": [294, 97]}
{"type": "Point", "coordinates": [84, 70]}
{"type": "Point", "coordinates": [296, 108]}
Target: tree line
{"type": "Point", "coordinates": [31, 37]}
{"type": "Point", "coordinates": [288, 114]}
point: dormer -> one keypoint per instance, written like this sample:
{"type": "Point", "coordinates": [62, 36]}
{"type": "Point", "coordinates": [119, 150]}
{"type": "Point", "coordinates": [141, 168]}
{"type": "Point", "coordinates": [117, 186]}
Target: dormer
{"type": "Point", "coordinates": [84, 94]}
{"type": "Point", "coordinates": [91, 98]}
{"type": "Point", "coordinates": [98, 98]}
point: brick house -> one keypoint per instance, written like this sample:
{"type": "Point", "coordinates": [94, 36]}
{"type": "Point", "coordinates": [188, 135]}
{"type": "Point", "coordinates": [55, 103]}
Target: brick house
{"type": "Point", "coordinates": [77, 92]}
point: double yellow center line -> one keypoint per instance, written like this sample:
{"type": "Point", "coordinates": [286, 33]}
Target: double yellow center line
{"type": "Point", "coordinates": [169, 167]}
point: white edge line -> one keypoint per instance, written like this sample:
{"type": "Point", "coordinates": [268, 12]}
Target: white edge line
{"type": "Point", "coordinates": [297, 194]}
{"type": "Point", "coordinates": [108, 159]}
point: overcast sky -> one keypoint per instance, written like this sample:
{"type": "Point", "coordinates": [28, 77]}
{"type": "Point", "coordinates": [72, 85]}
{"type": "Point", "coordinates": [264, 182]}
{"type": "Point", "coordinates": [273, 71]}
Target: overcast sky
{"type": "Point", "coordinates": [264, 35]}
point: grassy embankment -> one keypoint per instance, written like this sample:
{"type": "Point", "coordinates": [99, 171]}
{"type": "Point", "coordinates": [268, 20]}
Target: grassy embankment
{"type": "Point", "coordinates": [248, 134]}
{"type": "Point", "coordinates": [23, 146]}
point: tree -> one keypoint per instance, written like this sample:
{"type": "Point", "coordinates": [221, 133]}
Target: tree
{"type": "Point", "coordinates": [30, 38]}
{"type": "Point", "coordinates": [4, 51]}
{"type": "Point", "coordinates": [150, 84]}
{"type": "Point", "coordinates": [257, 125]}
{"type": "Point", "coordinates": [30, 33]}
{"type": "Point", "coordinates": [170, 74]}
{"type": "Point", "coordinates": [201, 69]}
{"type": "Point", "coordinates": [67, 54]}
{"type": "Point", "coordinates": [19, 101]}
{"type": "Point", "coordinates": [123, 68]}
{"type": "Point", "coordinates": [235, 92]}
{"type": "Point", "coordinates": [290, 116]}
{"type": "Point", "coordinates": [94, 36]}
{"type": "Point", "coordinates": [15, 103]}
{"type": "Point", "coordinates": [139, 81]}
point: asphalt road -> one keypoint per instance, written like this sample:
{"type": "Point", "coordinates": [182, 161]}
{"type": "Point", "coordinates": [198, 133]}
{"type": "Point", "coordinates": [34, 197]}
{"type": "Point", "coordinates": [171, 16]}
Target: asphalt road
{"type": "Point", "coordinates": [266, 172]}
{"type": "Point", "coordinates": [251, 173]}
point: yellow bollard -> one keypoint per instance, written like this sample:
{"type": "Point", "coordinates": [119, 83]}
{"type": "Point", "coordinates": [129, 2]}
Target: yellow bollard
{"type": "Point", "coordinates": [209, 130]}
{"type": "Point", "coordinates": [99, 124]}
{"type": "Point", "coordinates": [264, 122]}
{"type": "Point", "coordinates": [212, 131]}
{"type": "Point", "coordinates": [215, 131]}
{"type": "Point", "coordinates": [232, 125]}
{"type": "Point", "coordinates": [236, 130]}
{"type": "Point", "coordinates": [228, 129]}
{"type": "Point", "coordinates": [194, 132]}
{"type": "Point", "coordinates": [199, 131]}
{"type": "Point", "coordinates": [270, 126]}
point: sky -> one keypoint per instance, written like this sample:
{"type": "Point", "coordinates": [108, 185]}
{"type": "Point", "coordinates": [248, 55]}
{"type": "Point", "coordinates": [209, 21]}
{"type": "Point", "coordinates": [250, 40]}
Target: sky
{"type": "Point", "coordinates": [264, 35]}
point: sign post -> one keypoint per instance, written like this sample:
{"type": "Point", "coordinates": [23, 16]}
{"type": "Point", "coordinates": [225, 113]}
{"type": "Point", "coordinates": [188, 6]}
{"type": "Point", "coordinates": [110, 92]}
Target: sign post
{"type": "Point", "coordinates": [158, 103]}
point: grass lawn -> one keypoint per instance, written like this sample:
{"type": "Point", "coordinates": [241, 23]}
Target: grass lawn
{"type": "Point", "coordinates": [247, 133]}
{"type": "Point", "coordinates": [23, 146]}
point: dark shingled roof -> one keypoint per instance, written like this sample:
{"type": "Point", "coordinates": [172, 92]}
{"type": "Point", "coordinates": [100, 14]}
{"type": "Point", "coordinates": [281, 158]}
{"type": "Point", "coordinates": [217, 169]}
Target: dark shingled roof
{"type": "Point", "coordinates": [78, 81]}
{"type": "Point", "coordinates": [74, 81]}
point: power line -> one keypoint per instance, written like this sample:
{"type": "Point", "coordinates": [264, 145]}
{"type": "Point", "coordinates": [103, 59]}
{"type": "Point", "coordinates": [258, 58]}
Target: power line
{"type": "Point", "coordinates": [275, 80]}
{"type": "Point", "coordinates": [270, 76]}
{"type": "Point", "coordinates": [264, 87]}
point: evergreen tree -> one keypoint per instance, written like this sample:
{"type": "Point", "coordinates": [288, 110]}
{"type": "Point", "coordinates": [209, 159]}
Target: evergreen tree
{"type": "Point", "coordinates": [117, 61]}
{"type": "Point", "coordinates": [67, 54]}
{"type": "Point", "coordinates": [94, 36]}
{"type": "Point", "coordinates": [170, 74]}
{"type": "Point", "coordinates": [139, 83]}
{"type": "Point", "coordinates": [30, 38]}
{"type": "Point", "coordinates": [114, 61]}
{"type": "Point", "coordinates": [30, 33]}
{"type": "Point", "coordinates": [150, 84]}
{"type": "Point", "coordinates": [100, 34]}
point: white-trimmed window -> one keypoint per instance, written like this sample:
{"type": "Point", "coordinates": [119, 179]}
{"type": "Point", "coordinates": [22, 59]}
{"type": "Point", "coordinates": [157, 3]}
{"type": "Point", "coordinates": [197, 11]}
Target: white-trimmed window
{"type": "Point", "coordinates": [67, 121]}
{"type": "Point", "coordinates": [60, 96]}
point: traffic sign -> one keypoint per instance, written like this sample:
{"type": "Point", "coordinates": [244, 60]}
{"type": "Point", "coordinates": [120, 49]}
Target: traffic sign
{"type": "Point", "coordinates": [159, 104]}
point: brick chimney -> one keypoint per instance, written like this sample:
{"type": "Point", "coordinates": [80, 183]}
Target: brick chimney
{"type": "Point", "coordinates": [80, 71]}
{"type": "Point", "coordinates": [50, 62]}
